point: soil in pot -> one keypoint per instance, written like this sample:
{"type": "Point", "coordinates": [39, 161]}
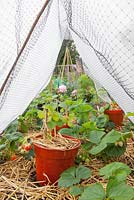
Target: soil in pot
{"type": "Point", "coordinates": [52, 160]}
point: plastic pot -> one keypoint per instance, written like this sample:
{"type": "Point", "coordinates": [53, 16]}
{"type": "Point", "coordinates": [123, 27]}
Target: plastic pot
{"type": "Point", "coordinates": [52, 162]}
{"type": "Point", "coordinates": [115, 116]}
{"type": "Point", "coordinates": [60, 127]}
{"type": "Point", "coordinates": [57, 128]}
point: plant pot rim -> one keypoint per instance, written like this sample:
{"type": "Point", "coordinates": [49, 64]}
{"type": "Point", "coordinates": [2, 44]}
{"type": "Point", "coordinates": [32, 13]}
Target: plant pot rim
{"type": "Point", "coordinates": [114, 111]}
{"type": "Point", "coordinates": [78, 143]}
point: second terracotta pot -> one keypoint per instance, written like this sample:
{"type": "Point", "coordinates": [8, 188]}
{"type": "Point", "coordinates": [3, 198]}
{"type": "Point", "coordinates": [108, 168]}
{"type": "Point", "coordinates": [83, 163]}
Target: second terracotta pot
{"type": "Point", "coordinates": [115, 116]}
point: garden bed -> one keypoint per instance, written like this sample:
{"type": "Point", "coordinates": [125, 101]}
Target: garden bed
{"type": "Point", "coordinates": [18, 182]}
{"type": "Point", "coordinates": [67, 111]}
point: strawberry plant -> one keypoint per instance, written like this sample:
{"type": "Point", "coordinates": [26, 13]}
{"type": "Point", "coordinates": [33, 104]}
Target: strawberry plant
{"type": "Point", "coordinates": [85, 90]}
{"type": "Point", "coordinates": [98, 139]}
{"type": "Point", "coordinates": [116, 188]}
{"type": "Point", "coordinates": [111, 144]}
{"type": "Point", "coordinates": [10, 142]}
{"type": "Point", "coordinates": [72, 178]}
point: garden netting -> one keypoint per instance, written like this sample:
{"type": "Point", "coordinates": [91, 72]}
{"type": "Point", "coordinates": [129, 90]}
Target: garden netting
{"type": "Point", "coordinates": [31, 35]}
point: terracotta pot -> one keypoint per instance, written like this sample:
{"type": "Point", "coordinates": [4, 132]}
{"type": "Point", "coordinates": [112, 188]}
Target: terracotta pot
{"type": "Point", "coordinates": [115, 116]}
{"type": "Point", "coordinates": [59, 128]}
{"type": "Point", "coordinates": [52, 162]}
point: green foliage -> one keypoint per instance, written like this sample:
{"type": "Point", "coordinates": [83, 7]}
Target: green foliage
{"type": "Point", "coordinates": [76, 190]}
{"type": "Point", "coordinates": [30, 120]}
{"type": "Point", "coordinates": [82, 111]}
{"type": "Point", "coordinates": [84, 82]}
{"type": "Point", "coordinates": [114, 151]}
{"type": "Point", "coordinates": [129, 126]}
{"type": "Point", "coordinates": [130, 114]}
{"type": "Point", "coordinates": [116, 169]}
{"type": "Point", "coordinates": [29, 154]}
{"type": "Point", "coordinates": [51, 115]}
{"type": "Point", "coordinates": [93, 192]}
{"type": "Point", "coordinates": [116, 188]}
{"type": "Point", "coordinates": [73, 176]}
{"type": "Point", "coordinates": [101, 121]}
{"type": "Point", "coordinates": [86, 89]}
{"type": "Point", "coordinates": [10, 141]}
{"type": "Point", "coordinates": [33, 117]}
{"type": "Point", "coordinates": [13, 127]}
{"type": "Point", "coordinates": [95, 136]}
{"type": "Point", "coordinates": [111, 144]}
{"type": "Point", "coordinates": [93, 128]}
{"type": "Point", "coordinates": [114, 191]}
{"type": "Point", "coordinates": [72, 131]}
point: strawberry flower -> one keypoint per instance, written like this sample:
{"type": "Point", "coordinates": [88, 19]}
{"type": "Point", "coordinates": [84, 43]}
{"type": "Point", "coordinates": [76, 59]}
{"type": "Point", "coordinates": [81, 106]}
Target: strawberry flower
{"type": "Point", "coordinates": [74, 93]}
{"type": "Point", "coordinates": [62, 89]}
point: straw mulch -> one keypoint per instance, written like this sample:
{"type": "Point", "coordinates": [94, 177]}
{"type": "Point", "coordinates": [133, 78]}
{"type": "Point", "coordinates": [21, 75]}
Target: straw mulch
{"type": "Point", "coordinates": [17, 183]}
{"type": "Point", "coordinates": [17, 179]}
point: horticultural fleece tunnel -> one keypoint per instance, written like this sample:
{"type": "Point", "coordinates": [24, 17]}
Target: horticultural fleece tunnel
{"type": "Point", "coordinates": [31, 35]}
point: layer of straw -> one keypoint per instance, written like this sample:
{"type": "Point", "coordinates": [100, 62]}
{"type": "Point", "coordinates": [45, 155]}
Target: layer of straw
{"type": "Point", "coordinates": [17, 179]}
